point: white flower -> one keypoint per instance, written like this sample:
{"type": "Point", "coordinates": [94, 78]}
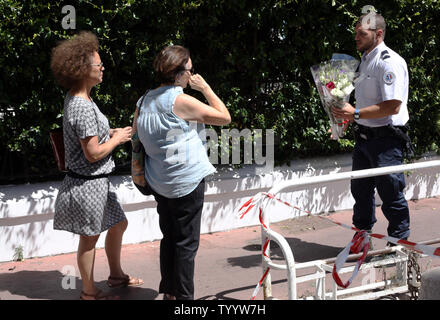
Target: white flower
{"type": "Point", "coordinates": [338, 93]}
{"type": "Point", "coordinates": [342, 84]}
{"type": "Point", "coordinates": [348, 89]}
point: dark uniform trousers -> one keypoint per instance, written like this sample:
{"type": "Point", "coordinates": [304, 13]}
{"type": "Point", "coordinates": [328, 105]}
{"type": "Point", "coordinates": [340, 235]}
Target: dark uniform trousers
{"type": "Point", "coordinates": [179, 221]}
{"type": "Point", "coordinates": [376, 153]}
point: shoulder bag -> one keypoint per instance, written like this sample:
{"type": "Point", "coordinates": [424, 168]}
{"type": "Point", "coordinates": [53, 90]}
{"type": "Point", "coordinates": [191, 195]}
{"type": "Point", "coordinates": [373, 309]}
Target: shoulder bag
{"type": "Point", "coordinates": [57, 142]}
{"type": "Point", "coordinates": [138, 157]}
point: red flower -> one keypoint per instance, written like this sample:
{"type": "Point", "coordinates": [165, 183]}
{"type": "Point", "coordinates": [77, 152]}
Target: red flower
{"type": "Point", "coordinates": [330, 85]}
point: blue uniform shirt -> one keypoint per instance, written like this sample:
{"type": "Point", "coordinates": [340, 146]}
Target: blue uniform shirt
{"type": "Point", "coordinates": [383, 77]}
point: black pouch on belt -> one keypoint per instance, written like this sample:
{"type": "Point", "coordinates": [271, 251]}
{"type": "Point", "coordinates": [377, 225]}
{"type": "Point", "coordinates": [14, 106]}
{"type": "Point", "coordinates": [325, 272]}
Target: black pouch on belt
{"type": "Point", "coordinates": [368, 133]}
{"type": "Point", "coordinates": [401, 132]}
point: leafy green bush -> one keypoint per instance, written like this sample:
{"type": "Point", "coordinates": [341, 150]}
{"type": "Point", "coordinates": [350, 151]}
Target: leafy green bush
{"type": "Point", "coordinates": [256, 54]}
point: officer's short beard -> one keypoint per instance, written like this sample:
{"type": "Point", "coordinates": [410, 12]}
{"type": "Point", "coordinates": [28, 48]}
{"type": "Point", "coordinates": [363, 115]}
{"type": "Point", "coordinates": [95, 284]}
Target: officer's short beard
{"type": "Point", "coordinates": [370, 46]}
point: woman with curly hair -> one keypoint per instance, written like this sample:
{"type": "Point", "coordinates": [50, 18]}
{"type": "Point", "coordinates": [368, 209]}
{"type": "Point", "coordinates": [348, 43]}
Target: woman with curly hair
{"type": "Point", "coordinates": [86, 203]}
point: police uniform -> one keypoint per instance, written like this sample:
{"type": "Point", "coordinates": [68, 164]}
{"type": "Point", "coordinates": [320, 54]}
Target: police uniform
{"type": "Point", "coordinates": [383, 77]}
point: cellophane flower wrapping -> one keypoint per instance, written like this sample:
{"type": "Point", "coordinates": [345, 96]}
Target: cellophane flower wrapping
{"type": "Point", "coordinates": [334, 81]}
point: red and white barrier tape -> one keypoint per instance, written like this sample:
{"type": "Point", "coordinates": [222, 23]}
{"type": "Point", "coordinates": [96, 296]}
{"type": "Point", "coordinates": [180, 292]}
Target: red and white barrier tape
{"type": "Point", "coordinates": [257, 288]}
{"type": "Point", "coordinates": [359, 242]}
{"type": "Point", "coordinates": [247, 207]}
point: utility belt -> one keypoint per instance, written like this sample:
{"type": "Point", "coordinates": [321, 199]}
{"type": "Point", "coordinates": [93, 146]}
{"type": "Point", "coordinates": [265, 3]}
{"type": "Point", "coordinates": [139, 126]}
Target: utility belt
{"type": "Point", "coordinates": [75, 175]}
{"type": "Point", "coordinates": [363, 133]}
{"type": "Point", "coordinates": [368, 133]}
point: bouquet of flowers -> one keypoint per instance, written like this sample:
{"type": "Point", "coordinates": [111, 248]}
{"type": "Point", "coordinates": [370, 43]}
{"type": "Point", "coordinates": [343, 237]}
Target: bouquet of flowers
{"type": "Point", "coordinates": [334, 81]}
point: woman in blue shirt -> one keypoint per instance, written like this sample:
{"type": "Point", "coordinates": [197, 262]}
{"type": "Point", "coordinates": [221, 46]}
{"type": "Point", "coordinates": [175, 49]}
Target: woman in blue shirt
{"type": "Point", "coordinates": [170, 124]}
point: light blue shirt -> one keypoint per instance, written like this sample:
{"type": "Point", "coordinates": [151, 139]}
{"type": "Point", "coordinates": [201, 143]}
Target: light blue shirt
{"type": "Point", "coordinates": [176, 159]}
{"type": "Point", "coordinates": [383, 77]}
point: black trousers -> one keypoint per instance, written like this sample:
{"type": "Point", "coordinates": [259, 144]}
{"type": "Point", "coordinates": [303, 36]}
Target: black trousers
{"type": "Point", "coordinates": [179, 221]}
{"type": "Point", "coordinates": [378, 153]}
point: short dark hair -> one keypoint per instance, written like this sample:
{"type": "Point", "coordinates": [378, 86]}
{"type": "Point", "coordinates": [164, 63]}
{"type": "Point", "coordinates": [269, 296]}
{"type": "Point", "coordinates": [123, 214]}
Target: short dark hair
{"type": "Point", "coordinates": [378, 23]}
{"type": "Point", "coordinates": [70, 61]}
{"type": "Point", "coordinates": [170, 61]}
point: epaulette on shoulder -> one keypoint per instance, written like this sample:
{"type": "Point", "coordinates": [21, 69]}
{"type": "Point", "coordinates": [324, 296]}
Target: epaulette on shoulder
{"type": "Point", "coordinates": [384, 55]}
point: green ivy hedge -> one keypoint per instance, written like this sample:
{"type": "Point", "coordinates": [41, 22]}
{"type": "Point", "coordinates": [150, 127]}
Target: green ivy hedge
{"type": "Point", "coordinates": [256, 54]}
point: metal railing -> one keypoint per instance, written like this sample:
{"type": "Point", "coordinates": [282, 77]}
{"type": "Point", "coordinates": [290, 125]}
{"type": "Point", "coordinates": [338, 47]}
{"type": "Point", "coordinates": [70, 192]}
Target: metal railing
{"type": "Point", "coordinates": [321, 267]}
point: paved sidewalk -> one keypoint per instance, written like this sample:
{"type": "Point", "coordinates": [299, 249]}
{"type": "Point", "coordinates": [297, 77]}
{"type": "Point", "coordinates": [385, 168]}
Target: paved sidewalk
{"type": "Point", "coordinates": [228, 264]}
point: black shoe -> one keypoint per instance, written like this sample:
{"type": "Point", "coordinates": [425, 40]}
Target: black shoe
{"type": "Point", "coordinates": [390, 244]}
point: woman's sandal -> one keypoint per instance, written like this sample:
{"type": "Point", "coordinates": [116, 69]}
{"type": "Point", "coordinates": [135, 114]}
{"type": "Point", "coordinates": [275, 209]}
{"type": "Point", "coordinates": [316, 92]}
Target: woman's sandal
{"type": "Point", "coordinates": [124, 282]}
{"type": "Point", "coordinates": [99, 295]}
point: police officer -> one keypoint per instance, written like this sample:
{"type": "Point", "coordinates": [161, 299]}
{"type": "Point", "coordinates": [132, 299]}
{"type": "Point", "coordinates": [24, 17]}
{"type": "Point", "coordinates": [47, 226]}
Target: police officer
{"type": "Point", "coordinates": [380, 115]}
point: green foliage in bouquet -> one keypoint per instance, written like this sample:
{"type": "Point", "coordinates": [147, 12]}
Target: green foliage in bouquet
{"type": "Point", "coordinates": [256, 54]}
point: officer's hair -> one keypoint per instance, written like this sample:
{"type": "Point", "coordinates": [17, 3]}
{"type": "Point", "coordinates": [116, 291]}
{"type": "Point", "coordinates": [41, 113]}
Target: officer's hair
{"type": "Point", "coordinates": [377, 23]}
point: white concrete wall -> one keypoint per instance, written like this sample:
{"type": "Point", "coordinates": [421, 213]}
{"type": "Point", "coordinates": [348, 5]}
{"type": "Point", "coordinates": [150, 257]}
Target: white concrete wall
{"type": "Point", "coordinates": [26, 211]}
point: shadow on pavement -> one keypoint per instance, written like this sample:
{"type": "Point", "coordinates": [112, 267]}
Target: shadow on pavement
{"type": "Point", "coordinates": [302, 252]}
{"type": "Point", "coordinates": [224, 294]}
{"type": "Point", "coordinates": [49, 285]}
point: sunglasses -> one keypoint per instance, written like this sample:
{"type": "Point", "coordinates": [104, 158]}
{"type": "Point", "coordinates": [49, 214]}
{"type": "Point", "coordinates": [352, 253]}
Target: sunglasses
{"type": "Point", "coordinates": [190, 70]}
{"type": "Point", "coordinates": [97, 64]}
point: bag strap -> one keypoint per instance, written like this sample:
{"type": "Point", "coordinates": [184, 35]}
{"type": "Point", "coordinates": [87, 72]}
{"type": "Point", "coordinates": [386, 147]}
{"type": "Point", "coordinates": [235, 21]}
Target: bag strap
{"type": "Point", "coordinates": [143, 97]}
{"type": "Point", "coordinates": [138, 109]}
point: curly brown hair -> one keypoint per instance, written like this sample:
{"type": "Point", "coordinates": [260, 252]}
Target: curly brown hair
{"type": "Point", "coordinates": [70, 61]}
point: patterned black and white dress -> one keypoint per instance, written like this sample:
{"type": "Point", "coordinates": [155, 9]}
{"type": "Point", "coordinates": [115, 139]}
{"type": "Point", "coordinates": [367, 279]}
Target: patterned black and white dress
{"type": "Point", "coordinates": [86, 207]}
